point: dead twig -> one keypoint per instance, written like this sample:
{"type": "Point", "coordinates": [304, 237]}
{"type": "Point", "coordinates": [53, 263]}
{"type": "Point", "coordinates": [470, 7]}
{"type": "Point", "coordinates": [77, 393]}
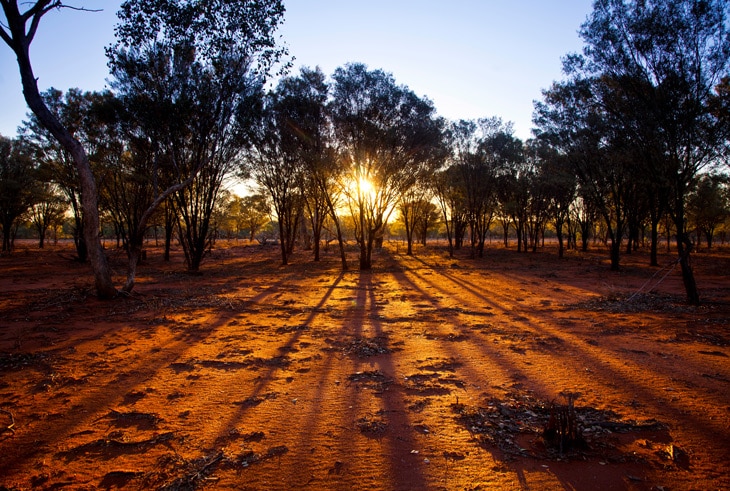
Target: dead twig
{"type": "Point", "coordinates": [11, 426]}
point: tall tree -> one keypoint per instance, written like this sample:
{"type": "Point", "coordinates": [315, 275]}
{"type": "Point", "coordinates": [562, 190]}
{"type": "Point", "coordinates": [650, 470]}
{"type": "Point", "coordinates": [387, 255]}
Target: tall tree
{"type": "Point", "coordinates": [707, 206]}
{"type": "Point", "coordinates": [18, 186]}
{"type": "Point", "coordinates": [252, 214]}
{"type": "Point", "coordinates": [665, 58]}
{"type": "Point", "coordinates": [415, 207]}
{"type": "Point", "coordinates": [559, 185]}
{"type": "Point", "coordinates": [18, 32]}
{"type": "Point", "coordinates": [208, 61]}
{"type": "Point", "coordinates": [276, 168]}
{"type": "Point", "coordinates": [47, 211]}
{"type": "Point", "coordinates": [301, 109]}
{"type": "Point", "coordinates": [574, 120]}
{"type": "Point", "coordinates": [481, 151]}
{"type": "Point", "coordinates": [56, 164]}
{"type": "Point", "coordinates": [388, 138]}
{"type": "Point", "coordinates": [449, 191]}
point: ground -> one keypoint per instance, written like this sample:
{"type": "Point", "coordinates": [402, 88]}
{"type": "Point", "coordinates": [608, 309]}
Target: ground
{"type": "Point", "coordinates": [513, 371]}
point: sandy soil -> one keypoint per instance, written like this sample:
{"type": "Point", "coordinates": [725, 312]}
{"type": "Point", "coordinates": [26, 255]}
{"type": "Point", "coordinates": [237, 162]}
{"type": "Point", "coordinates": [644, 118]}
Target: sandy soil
{"type": "Point", "coordinates": [428, 372]}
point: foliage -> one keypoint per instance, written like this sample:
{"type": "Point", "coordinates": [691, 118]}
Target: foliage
{"type": "Point", "coordinates": [18, 190]}
{"type": "Point", "coordinates": [388, 139]}
{"type": "Point", "coordinates": [191, 75]}
{"type": "Point", "coordinates": [708, 205]}
{"type": "Point", "coordinates": [640, 105]}
{"type": "Point", "coordinates": [18, 32]}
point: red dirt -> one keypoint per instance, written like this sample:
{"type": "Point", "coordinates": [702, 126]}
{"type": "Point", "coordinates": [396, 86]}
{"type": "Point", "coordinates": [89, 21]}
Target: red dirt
{"type": "Point", "coordinates": [427, 372]}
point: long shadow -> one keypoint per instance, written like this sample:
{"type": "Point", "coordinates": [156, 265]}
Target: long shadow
{"type": "Point", "coordinates": [588, 351]}
{"type": "Point", "coordinates": [400, 455]}
{"type": "Point", "coordinates": [612, 371]}
{"type": "Point", "coordinates": [267, 378]}
{"type": "Point", "coordinates": [93, 404]}
{"type": "Point", "coordinates": [114, 391]}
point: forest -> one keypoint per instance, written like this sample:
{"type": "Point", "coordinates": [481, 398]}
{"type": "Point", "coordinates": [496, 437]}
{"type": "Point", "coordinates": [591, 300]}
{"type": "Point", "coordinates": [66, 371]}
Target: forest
{"type": "Point", "coordinates": [221, 273]}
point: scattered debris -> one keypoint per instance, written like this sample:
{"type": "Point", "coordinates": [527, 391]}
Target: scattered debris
{"type": "Point", "coordinates": [191, 473]}
{"type": "Point", "coordinates": [115, 443]}
{"type": "Point", "coordinates": [144, 421]}
{"type": "Point", "coordinates": [372, 427]}
{"type": "Point", "coordinates": [11, 425]}
{"type": "Point", "coordinates": [15, 361]}
{"type": "Point", "coordinates": [374, 380]}
{"type": "Point", "coordinates": [521, 425]}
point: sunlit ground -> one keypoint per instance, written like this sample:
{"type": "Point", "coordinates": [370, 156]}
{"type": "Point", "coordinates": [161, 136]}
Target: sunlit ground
{"type": "Point", "coordinates": [428, 372]}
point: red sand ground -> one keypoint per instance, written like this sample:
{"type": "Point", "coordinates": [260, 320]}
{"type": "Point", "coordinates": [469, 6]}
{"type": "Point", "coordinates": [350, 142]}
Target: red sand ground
{"type": "Point", "coordinates": [428, 372]}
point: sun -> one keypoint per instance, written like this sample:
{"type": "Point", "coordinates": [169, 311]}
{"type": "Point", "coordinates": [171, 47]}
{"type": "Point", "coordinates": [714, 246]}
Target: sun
{"type": "Point", "coordinates": [365, 188]}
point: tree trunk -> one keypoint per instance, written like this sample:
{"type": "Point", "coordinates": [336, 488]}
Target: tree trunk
{"type": "Point", "coordinates": [340, 240]}
{"type": "Point", "coordinates": [99, 265]}
{"type": "Point", "coordinates": [6, 238]}
{"type": "Point", "coordinates": [653, 254]}
{"type": "Point", "coordinates": [102, 274]}
{"type": "Point", "coordinates": [283, 243]}
{"type": "Point", "coordinates": [615, 254]}
{"type": "Point", "coordinates": [688, 277]}
{"type": "Point", "coordinates": [684, 248]}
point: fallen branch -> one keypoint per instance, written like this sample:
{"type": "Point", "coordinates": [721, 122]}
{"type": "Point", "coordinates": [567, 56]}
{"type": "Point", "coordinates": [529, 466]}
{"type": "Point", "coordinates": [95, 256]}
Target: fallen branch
{"type": "Point", "coordinates": [198, 471]}
{"type": "Point", "coordinates": [11, 426]}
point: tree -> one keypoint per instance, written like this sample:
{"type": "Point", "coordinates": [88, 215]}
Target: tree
{"type": "Point", "coordinates": [201, 65]}
{"type": "Point", "coordinates": [303, 119]}
{"type": "Point", "coordinates": [559, 186]}
{"type": "Point", "coordinates": [707, 206]}
{"type": "Point", "coordinates": [18, 32]}
{"type": "Point", "coordinates": [388, 139]}
{"type": "Point", "coordinates": [278, 172]}
{"type": "Point", "coordinates": [254, 212]}
{"type": "Point", "coordinates": [18, 188]}
{"type": "Point", "coordinates": [55, 163]}
{"type": "Point", "coordinates": [415, 210]}
{"type": "Point", "coordinates": [662, 61]}
{"type": "Point", "coordinates": [574, 121]}
{"type": "Point", "coordinates": [47, 211]}
{"type": "Point", "coordinates": [449, 191]}
{"type": "Point", "coordinates": [481, 152]}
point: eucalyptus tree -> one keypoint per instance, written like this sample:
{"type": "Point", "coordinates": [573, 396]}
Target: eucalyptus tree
{"type": "Point", "coordinates": [559, 185]}
{"type": "Point", "coordinates": [278, 172]}
{"type": "Point", "coordinates": [300, 106]}
{"type": "Point", "coordinates": [708, 206]}
{"type": "Point", "coordinates": [55, 162]}
{"type": "Point", "coordinates": [415, 207]}
{"type": "Point", "coordinates": [48, 210]}
{"type": "Point", "coordinates": [658, 64]}
{"type": "Point", "coordinates": [18, 31]}
{"type": "Point", "coordinates": [583, 216]}
{"type": "Point", "coordinates": [481, 152]}
{"type": "Point", "coordinates": [194, 70]}
{"type": "Point", "coordinates": [18, 186]}
{"type": "Point", "coordinates": [388, 139]}
{"type": "Point", "coordinates": [252, 212]}
{"type": "Point", "coordinates": [537, 192]}
{"type": "Point", "coordinates": [449, 193]}
{"type": "Point", "coordinates": [552, 187]}
{"type": "Point", "coordinates": [572, 119]}
{"type": "Point", "coordinates": [427, 221]}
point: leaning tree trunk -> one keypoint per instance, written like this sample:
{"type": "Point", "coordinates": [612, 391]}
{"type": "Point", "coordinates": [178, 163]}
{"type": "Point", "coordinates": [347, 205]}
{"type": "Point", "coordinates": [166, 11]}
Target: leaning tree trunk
{"type": "Point", "coordinates": [20, 43]}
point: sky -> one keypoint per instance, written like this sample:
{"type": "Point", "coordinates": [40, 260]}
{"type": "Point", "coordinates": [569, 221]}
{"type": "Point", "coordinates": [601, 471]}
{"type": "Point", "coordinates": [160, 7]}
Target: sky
{"type": "Point", "coordinates": [472, 58]}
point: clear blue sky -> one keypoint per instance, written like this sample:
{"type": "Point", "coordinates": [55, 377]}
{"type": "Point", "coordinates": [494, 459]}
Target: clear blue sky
{"type": "Point", "coordinates": [472, 58]}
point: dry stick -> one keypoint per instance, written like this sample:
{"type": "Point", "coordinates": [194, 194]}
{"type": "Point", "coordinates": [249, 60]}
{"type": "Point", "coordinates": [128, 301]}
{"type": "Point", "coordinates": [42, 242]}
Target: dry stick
{"type": "Point", "coordinates": [12, 421]}
{"type": "Point", "coordinates": [672, 264]}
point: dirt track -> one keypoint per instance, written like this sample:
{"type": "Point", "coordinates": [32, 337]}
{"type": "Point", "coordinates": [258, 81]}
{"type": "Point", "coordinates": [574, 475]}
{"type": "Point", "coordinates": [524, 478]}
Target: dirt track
{"type": "Point", "coordinates": [425, 373]}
